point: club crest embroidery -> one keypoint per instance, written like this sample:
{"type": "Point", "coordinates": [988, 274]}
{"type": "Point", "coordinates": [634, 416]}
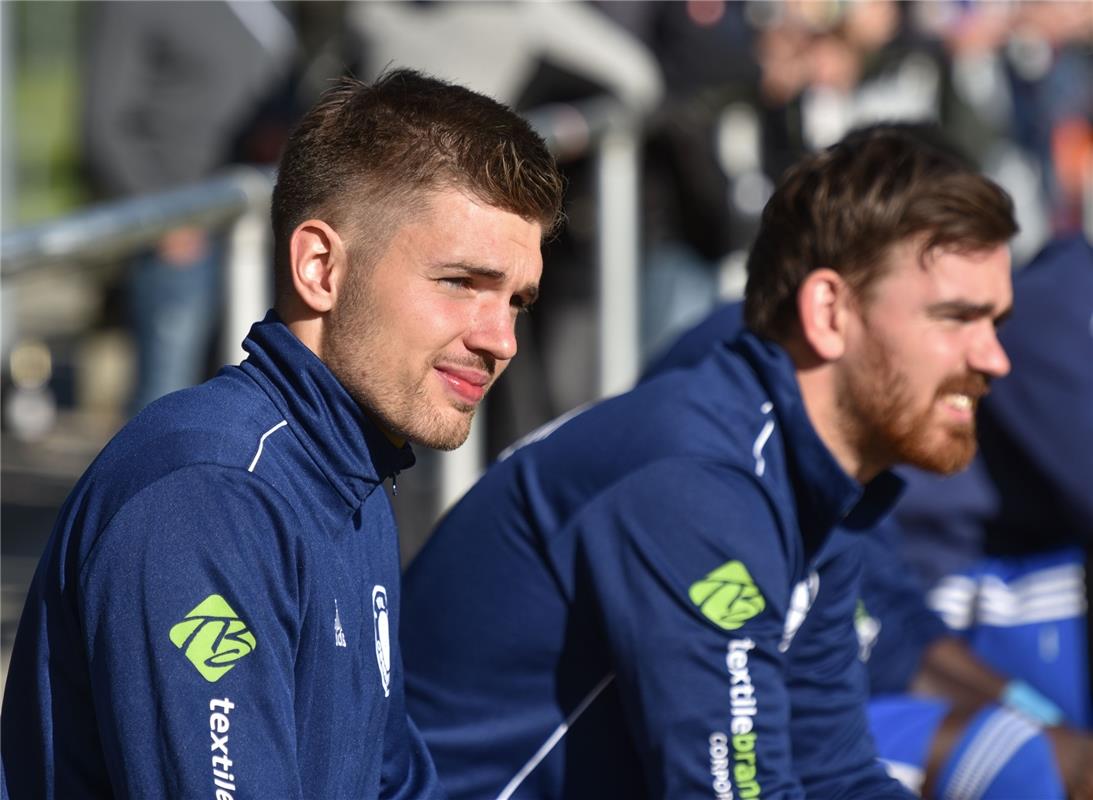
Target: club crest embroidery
{"type": "Point", "coordinates": [213, 638]}
{"type": "Point", "coordinates": [800, 603]}
{"type": "Point", "coordinates": [728, 596]}
{"type": "Point", "coordinates": [382, 628]}
{"type": "Point", "coordinates": [867, 627]}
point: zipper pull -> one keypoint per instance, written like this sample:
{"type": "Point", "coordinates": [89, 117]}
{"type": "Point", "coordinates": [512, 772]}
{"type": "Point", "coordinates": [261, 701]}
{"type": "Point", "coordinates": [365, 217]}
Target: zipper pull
{"type": "Point", "coordinates": [394, 484]}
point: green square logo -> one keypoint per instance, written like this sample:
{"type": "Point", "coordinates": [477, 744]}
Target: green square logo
{"type": "Point", "coordinates": [213, 637]}
{"type": "Point", "coordinates": [728, 596]}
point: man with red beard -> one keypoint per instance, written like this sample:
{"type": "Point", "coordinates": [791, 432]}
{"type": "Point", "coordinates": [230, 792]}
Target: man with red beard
{"type": "Point", "coordinates": [611, 611]}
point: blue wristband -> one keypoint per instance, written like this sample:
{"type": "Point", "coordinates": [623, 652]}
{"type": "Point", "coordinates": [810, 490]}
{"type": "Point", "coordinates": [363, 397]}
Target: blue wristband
{"type": "Point", "coordinates": [1021, 697]}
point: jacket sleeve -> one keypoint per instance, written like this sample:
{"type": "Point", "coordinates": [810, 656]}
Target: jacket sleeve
{"type": "Point", "coordinates": [685, 565]}
{"type": "Point", "coordinates": [834, 754]}
{"type": "Point", "coordinates": [191, 606]}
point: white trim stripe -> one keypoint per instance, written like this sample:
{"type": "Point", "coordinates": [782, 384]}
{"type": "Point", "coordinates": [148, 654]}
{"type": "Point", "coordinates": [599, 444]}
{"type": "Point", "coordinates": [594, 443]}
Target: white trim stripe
{"type": "Point", "coordinates": [760, 443]}
{"type": "Point", "coordinates": [954, 601]}
{"type": "Point", "coordinates": [1048, 595]}
{"type": "Point", "coordinates": [555, 737]}
{"type": "Point", "coordinates": [544, 430]}
{"type": "Point", "coordinates": [1003, 734]}
{"type": "Point", "coordinates": [1017, 733]}
{"type": "Point", "coordinates": [911, 776]}
{"type": "Point", "coordinates": [262, 443]}
{"type": "Point", "coordinates": [983, 743]}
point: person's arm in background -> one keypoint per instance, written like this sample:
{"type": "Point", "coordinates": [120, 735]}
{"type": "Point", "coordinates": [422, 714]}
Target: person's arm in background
{"type": "Point", "coordinates": [587, 42]}
{"type": "Point", "coordinates": [913, 651]}
{"type": "Point", "coordinates": [117, 148]}
{"type": "Point", "coordinates": [951, 669]}
{"type": "Point", "coordinates": [114, 76]}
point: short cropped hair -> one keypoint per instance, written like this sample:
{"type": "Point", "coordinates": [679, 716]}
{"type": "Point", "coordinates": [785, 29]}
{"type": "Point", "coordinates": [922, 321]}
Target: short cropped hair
{"type": "Point", "coordinates": [368, 152]}
{"type": "Point", "coordinates": [846, 207]}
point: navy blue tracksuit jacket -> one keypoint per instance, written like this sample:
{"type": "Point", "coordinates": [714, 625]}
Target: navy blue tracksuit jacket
{"type": "Point", "coordinates": [607, 612]}
{"type": "Point", "coordinates": [217, 611]}
{"type": "Point", "coordinates": [891, 594]}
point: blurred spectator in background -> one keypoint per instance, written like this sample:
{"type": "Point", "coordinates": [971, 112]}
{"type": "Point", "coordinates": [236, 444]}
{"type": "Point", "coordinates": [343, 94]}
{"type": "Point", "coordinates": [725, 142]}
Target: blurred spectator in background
{"type": "Point", "coordinates": [167, 87]}
{"type": "Point", "coordinates": [701, 156]}
{"type": "Point", "coordinates": [1011, 82]}
{"type": "Point", "coordinates": [499, 47]}
{"type": "Point", "coordinates": [1025, 70]}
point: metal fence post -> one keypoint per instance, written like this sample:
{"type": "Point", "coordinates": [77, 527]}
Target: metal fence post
{"type": "Point", "coordinates": [248, 285]}
{"type": "Point", "coordinates": [460, 468]}
{"type": "Point", "coordinates": [619, 261]}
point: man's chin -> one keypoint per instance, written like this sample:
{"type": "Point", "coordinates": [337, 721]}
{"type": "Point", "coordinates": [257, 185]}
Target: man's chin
{"type": "Point", "coordinates": [952, 456]}
{"type": "Point", "coordinates": [446, 433]}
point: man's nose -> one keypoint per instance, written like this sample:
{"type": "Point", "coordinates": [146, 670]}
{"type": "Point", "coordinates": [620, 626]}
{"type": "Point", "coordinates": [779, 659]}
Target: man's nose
{"type": "Point", "coordinates": [989, 357]}
{"type": "Point", "coordinates": [494, 331]}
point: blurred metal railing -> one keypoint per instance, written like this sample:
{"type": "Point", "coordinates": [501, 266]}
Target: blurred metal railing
{"type": "Point", "coordinates": [239, 199]}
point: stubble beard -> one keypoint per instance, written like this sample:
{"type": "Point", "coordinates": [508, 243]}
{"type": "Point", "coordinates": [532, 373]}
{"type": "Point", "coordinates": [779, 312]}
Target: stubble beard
{"type": "Point", "coordinates": [352, 350]}
{"type": "Point", "coordinates": [414, 417]}
{"type": "Point", "coordinates": [881, 423]}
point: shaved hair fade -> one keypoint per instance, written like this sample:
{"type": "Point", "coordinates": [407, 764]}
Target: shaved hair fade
{"type": "Point", "coordinates": [367, 154]}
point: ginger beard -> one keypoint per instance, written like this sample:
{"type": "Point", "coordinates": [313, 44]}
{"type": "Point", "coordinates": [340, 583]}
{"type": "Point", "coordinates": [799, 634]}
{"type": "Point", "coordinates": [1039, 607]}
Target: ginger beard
{"type": "Point", "coordinates": [365, 359]}
{"type": "Point", "coordinates": [881, 420]}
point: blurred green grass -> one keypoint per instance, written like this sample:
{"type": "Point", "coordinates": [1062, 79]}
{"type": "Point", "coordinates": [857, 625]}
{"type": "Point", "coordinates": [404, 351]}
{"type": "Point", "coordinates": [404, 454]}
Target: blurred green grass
{"type": "Point", "coordinates": [46, 107]}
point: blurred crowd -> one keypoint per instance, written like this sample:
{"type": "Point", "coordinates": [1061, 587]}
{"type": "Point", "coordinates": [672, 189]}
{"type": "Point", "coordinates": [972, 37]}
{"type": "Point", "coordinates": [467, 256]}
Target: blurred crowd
{"type": "Point", "coordinates": [727, 94]}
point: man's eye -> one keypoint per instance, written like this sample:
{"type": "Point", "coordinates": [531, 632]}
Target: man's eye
{"type": "Point", "coordinates": [457, 283]}
{"type": "Point", "coordinates": [962, 317]}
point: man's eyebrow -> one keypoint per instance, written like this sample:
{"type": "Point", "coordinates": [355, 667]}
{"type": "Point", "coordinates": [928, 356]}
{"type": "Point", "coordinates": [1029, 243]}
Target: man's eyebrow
{"type": "Point", "coordinates": [967, 310]}
{"type": "Point", "coordinates": [530, 292]}
{"type": "Point", "coordinates": [469, 268]}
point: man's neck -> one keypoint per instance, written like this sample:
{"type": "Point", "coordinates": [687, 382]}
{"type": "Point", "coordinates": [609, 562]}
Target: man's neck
{"type": "Point", "coordinates": [817, 381]}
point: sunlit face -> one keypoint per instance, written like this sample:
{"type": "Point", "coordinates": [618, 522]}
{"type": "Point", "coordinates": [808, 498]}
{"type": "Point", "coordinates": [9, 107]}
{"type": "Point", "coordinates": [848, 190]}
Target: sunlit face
{"type": "Point", "coordinates": [922, 353]}
{"type": "Point", "coordinates": [418, 337]}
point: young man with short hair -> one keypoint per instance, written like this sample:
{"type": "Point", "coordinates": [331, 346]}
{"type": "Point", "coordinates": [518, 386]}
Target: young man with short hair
{"type": "Point", "coordinates": [610, 611]}
{"type": "Point", "coordinates": [217, 611]}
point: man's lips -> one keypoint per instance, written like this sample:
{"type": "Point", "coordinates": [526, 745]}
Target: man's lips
{"type": "Point", "coordinates": [962, 398]}
{"type": "Point", "coordinates": [960, 405]}
{"type": "Point", "coordinates": [469, 384]}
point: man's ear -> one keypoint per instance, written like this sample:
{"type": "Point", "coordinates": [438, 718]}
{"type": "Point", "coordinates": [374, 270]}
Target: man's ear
{"type": "Point", "coordinates": [317, 259]}
{"type": "Point", "coordinates": [823, 305]}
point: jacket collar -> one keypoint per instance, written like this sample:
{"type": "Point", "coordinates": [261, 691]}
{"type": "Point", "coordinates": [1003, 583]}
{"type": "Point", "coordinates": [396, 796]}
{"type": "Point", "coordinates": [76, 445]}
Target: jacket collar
{"type": "Point", "coordinates": [348, 446]}
{"type": "Point", "coordinates": [826, 495]}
